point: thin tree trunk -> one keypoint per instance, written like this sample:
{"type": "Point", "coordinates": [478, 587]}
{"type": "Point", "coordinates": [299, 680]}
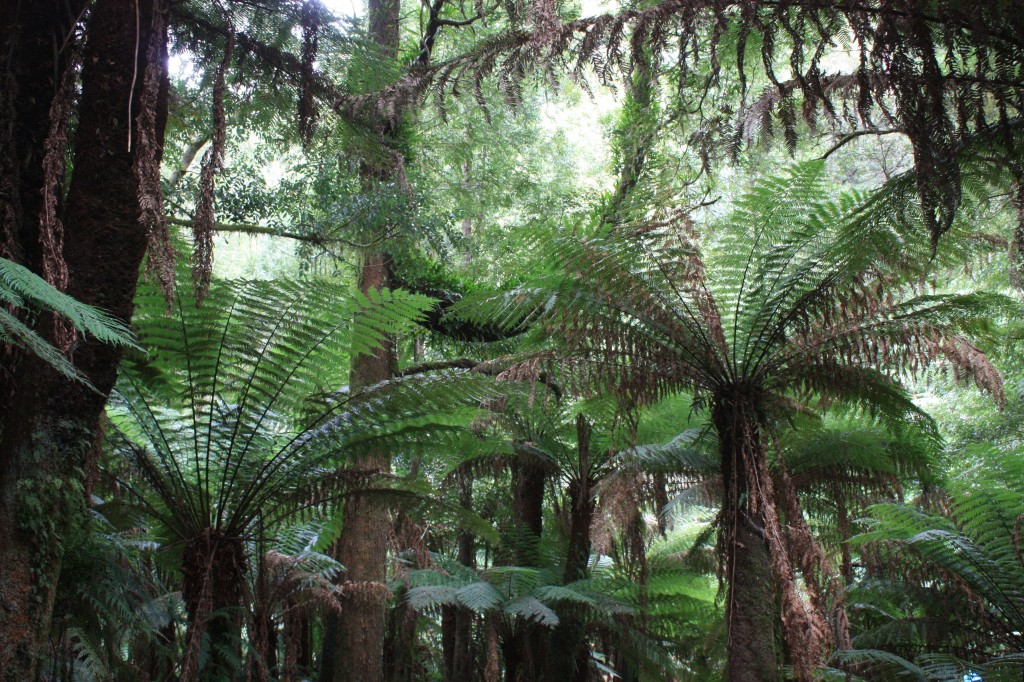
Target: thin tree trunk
{"type": "Point", "coordinates": [457, 624]}
{"type": "Point", "coordinates": [843, 527]}
{"type": "Point", "coordinates": [568, 659]}
{"type": "Point", "coordinates": [49, 425]}
{"type": "Point", "coordinates": [467, 221]}
{"type": "Point", "coordinates": [187, 157]}
{"type": "Point", "coordinates": [661, 502]}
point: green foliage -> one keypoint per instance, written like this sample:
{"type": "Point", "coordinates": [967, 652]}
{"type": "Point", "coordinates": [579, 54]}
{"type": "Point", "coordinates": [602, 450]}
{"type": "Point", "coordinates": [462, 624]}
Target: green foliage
{"type": "Point", "coordinates": [953, 583]}
{"type": "Point", "coordinates": [109, 600]}
{"type": "Point", "coordinates": [20, 288]}
{"type": "Point", "coordinates": [793, 291]}
{"type": "Point", "coordinates": [241, 403]}
{"type": "Point", "coordinates": [804, 299]}
{"type": "Point", "coordinates": [237, 419]}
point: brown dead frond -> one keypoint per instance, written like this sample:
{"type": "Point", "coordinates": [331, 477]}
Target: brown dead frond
{"type": "Point", "coordinates": [205, 217]}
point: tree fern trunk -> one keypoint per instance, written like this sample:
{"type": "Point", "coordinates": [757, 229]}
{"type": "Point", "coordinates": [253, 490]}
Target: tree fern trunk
{"type": "Point", "coordinates": [213, 574]}
{"type": "Point", "coordinates": [751, 612]}
{"type": "Point", "coordinates": [400, 664]}
{"type": "Point", "coordinates": [524, 651]}
{"type": "Point", "coordinates": [568, 658]}
{"type": "Point", "coordinates": [457, 624]}
{"type": "Point", "coordinates": [528, 477]}
{"type": "Point", "coordinates": [49, 426]}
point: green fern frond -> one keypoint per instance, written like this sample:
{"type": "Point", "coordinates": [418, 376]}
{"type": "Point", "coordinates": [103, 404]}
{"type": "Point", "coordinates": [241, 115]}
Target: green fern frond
{"type": "Point", "coordinates": [23, 289]}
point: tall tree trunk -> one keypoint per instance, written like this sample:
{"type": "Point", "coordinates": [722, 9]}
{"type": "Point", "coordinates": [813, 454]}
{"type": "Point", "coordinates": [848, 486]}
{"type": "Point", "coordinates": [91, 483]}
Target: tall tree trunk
{"type": "Point", "coordinates": [358, 654]}
{"type": "Point", "coordinates": [356, 651]}
{"type": "Point", "coordinates": [751, 613]}
{"type": "Point", "coordinates": [524, 653]}
{"type": "Point", "coordinates": [48, 425]}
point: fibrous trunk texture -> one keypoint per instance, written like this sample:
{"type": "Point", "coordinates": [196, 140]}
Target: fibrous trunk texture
{"type": "Point", "coordinates": [751, 613]}
{"type": "Point", "coordinates": [213, 573]}
{"type": "Point", "coordinates": [528, 476]}
{"type": "Point", "coordinates": [48, 427]}
{"type": "Point", "coordinates": [457, 624]}
{"type": "Point", "coordinates": [568, 656]}
{"type": "Point", "coordinates": [524, 646]}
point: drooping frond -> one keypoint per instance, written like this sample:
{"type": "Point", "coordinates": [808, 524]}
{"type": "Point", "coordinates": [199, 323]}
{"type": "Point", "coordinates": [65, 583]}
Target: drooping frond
{"type": "Point", "coordinates": [22, 289]}
{"type": "Point", "coordinates": [970, 558]}
{"type": "Point", "coordinates": [941, 65]}
{"type": "Point", "coordinates": [793, 292]}
{"type": "Point", "coordinates": [681, 456]}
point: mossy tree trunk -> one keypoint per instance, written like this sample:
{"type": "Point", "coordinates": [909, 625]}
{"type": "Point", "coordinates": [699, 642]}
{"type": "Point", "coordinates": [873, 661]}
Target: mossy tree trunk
{"type": "Point", "coordinates": [48, 426]}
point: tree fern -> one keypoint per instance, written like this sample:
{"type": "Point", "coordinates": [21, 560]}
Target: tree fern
{"type": "Point", "coordinates": [792, 298]}
{"type": "Point", "coordinates": [238, 418]}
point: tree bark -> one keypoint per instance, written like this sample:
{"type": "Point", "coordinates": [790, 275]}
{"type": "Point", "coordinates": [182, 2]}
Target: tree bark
{"type": "Point", "coordinates": [358, 640]}
{"type": "Point", "coordinates": [569, 658]}
{"type": "Point", "coordinates": [751, 612]}
{"type": "Point", "coordinates": [457, 624]}
{"type": "Point", "coordinates": [49, 425]}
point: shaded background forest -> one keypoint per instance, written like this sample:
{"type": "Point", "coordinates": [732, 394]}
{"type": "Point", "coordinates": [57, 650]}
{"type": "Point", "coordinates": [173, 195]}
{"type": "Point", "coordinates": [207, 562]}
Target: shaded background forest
{"type": "Point", "coordinates": [517, 341]}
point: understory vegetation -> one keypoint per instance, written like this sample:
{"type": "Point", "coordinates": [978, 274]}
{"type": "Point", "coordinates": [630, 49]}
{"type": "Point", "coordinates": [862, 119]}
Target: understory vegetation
{"type": "Point", "coordinates": [524, 341]}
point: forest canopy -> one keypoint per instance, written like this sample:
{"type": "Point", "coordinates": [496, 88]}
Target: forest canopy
{"type": "Point", "coordinates": [522, 341]}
